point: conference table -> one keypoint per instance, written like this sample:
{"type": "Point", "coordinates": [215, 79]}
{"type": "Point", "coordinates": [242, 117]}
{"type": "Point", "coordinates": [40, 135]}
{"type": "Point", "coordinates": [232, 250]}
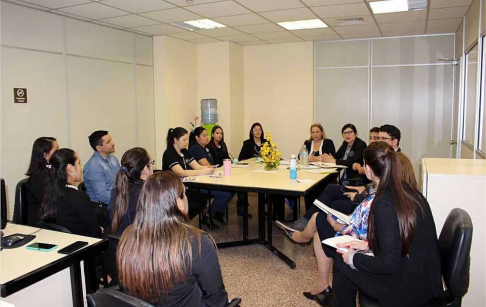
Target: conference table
{"type": "Point", "coordinates": [21, 267]}
{"type": "Point", "coordinates": [250, 176]}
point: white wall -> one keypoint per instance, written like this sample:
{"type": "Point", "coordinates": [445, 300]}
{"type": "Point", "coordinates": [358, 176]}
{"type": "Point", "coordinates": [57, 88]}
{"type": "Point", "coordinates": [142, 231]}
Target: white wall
{"type": "Point", "coordinates": [80, 77]}
{"type": "Point", "coordinates": [278, 92]}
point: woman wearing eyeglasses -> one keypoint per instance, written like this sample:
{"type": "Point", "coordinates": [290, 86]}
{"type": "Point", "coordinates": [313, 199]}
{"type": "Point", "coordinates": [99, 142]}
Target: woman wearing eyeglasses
{"type": "Point", "coordinates": [251, 147]}
{"type": "Point", "coordinates": [136, 167]}
{"type": "Point", "coordinates": [350, 152]}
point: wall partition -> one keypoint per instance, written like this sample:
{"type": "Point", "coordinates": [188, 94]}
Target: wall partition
{"type": "Point", "coordinates": [398, 81]}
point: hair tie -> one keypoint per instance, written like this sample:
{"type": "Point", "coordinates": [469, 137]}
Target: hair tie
{"type": "Point", "coordinates": [48, 166]}
{"type": "Point", "coordinates": [125, 169]}
{"type": "Point", "coordinates": [171, 130]}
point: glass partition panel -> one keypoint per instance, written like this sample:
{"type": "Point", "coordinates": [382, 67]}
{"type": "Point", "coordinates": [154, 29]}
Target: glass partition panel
{"type": "Point", "coordinates": [470, 87]}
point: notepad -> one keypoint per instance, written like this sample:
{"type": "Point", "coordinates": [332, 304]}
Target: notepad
{"type": "Point", "coordinates": [341, 217]}
{"type": "Point", "coordinates": [345, 239]}
{"type": "Point", "coordinates": [320, 171]}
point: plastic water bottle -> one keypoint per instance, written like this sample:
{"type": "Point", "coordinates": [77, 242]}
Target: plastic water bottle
{"type": "Point", "coordinates": [293, 167]}
{"type": "Point", "coordinates": [304, 156]}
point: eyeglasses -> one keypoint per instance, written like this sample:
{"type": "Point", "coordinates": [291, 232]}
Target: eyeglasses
{"type": "Point", "coordinates": [257, 130]}
{"type": "Point", "coordinates": [152, 162]}
{"type": "Point", "coordinates": [348, 132]}
{"type": "Point", "coordinates": [384, 138]}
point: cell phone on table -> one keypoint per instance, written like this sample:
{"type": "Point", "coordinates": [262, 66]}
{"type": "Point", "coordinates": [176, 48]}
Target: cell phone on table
{"type": "Point", "coordinates": [72, 247]}
{"type": "Point", "coordinates": [43, 247]}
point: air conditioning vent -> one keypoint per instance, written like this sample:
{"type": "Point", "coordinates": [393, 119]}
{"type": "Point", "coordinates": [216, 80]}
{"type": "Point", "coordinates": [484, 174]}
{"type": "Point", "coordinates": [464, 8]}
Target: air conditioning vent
{"type": "Point", "coordinates": [350, 21]}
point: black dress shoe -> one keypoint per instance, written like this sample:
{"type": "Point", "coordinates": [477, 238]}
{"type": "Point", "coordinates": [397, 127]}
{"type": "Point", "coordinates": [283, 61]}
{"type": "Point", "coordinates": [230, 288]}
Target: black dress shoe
{"type": "Point", "coordinates": [313, 297]}
{"type": "Point", "coordinates": [219, 217]}
{"type": "Point", "coordinates": [325, 299]}
{"type": "Point", "coordinates": [239, 212]}
{"type": "Point", "coordinates": [208, 222]}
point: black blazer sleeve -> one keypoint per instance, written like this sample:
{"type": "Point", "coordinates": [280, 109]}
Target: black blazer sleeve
{"type": "Point", "coordinates": [208, 275]}
{"type": "Point", "coordinates": [328, 147]}
{"type": "Point", "coordinates": [357, 151]}
{"type": "Point", "coordinates": [245, 152]}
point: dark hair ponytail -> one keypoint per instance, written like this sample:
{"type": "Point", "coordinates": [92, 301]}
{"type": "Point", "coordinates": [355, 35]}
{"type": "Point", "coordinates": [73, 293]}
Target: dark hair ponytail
{"type": "Point", "coordinates": [42, 146]}
{"type": "Point", "coordinates": [56, 182]}
{"type": "Point", "coordinates": [132, 164]}
{"type": "Point", "coordinates": [385, 164]}
{"type": "Point", "coordinates": [175, 133]}
{"type": "Point", "coordinates": [196, 132]}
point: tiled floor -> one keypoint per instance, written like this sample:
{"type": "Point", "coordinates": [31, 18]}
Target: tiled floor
{"type": "Point", "coordinates": [255, 274]}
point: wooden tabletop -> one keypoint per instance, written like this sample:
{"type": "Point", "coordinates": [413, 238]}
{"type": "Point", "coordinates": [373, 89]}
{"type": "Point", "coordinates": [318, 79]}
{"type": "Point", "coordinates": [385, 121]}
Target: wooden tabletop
{"type": "Point", "coordinates": [254, 178]}
{"type": "Point", "coordinates": [18, 262]}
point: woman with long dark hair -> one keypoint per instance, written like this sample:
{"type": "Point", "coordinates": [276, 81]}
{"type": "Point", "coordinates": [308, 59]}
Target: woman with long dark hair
{"type": "Point", "coordinates": [42, 151]}
{"type": "Point", "coordinates": [405, 269]}
{"type": "Point", "coordinates": [217, 145]}
{"type": "Point", "coordinates": [161, 257]}
{"type": "Point", "coordinates": [178, 159]}
{"type": "Point", "coordinates": [136, 167]}
{"type": "Point", "coordinates": [202, 155]}
{"type": "Point", "coordinates": [251, 147]}
{"type": "Point", "coordinates": [63, 204]}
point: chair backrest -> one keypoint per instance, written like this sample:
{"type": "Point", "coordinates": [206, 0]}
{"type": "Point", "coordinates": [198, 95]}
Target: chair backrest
{"type": "Point", "coordinates": [110, 257]}
{"type": "Point", "coordinates": [112, 297]}
{"type": "Point", "coordinates": [52, 226]}
{"type": "Point", "coordinates": [455, 246]}
{"type": "Point", "coordinates": [21, 207]}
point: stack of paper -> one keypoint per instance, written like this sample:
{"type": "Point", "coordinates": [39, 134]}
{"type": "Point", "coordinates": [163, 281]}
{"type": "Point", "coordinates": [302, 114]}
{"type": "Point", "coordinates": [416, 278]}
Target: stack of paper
{"type": "Point", "coordinates": [344, 239]}
{"type": "Point", "coordinates": [341, 217]}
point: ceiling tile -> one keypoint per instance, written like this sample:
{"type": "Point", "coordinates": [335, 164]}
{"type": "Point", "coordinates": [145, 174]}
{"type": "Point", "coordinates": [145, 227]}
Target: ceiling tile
{"type": "Point", "coordinates": [184, 2]}
{"type": "Point", "coordinates": [187, 35]}
{"type": "Point", "coordinates": [401, 17]}
{"type": "Point", "coordinates": [314, 32]}
{"type": "Point", "coordinates": [357, 29]}
{"type": "Point", "coordinates": [283, 41]}
{"type": "Point", "coordinates": [239, 38]}
{"type": "Point", "coordinates": [253, 43]}
{"type": "Point", "coordinates": [94, 11]}
{"type": "Point", "coordinates": [270, 27]}
{"type": "Point", "coordinates": [107, 24]}
{"type": "Point", "coordinates": [289, 15]}
{"type": "Point", "coordinates": [26, 4]}
{"type": "Point", "coordinates": [138, 32]}
{"type": "Point", "coordinates": [329, 2]}
{"type": "Point", "coordinates": [218, 9]}
{"type": "Point", "coordinates": [171, 15]}
{"type": "Point", "coordinates": [356, 9]}
{"type": "Point", "coordinates": [204, 40]}
{"type": "Point", "coordinates": [444, 23]}
{"type": "Point", "coordinates": [69, 15]}
{"type": "Point", "coordinates": [435, 4]}
{"type": "Point", "coordinates": [441, 30]}
{"type": "Point", "coordinates": [275, 35]}
{"type": "Point", "coordinates": [448, 12]}
{"type": "Point", "coordinates": [402, 26]}
{"type": "Point", "coordinates": [160, 29]}
{"type": "Point", "coordinates": [241, 20]}
{"type": "Point", "coordinates": [139, 6]}
{"type": "Point", "coordinates": [220, 32]}
{"type": "Point", "coordinates": [130, 21]}
{"type": "Point", "coordinates": [337, 21]}
{"type": "Point", "coordinates": [55, 4]}
{"type": "Point", "coordinates": [403, 32]}
{"type": "Point", "coordinates": [361, 35]}
{"type": "Point", "coordinates": [270, 5]}
{"type": "Point", "coordinates": [323, 38]}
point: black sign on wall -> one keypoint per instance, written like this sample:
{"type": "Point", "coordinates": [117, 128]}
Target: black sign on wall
{"type": "Point", "coordinates": [20, 95]}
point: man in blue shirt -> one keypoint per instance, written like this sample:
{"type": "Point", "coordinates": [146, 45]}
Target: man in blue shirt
{"type": "Point", "coordinates": [101, 169]}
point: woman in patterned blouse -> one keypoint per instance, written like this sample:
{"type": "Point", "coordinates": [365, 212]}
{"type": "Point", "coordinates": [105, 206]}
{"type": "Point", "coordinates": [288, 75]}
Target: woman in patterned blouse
{"type": "Point", "coordinates": [322, 226]}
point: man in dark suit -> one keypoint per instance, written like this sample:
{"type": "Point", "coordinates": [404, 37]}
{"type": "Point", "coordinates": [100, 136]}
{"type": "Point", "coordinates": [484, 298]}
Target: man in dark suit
{"type": "Point", "coordinates": [391, 135]}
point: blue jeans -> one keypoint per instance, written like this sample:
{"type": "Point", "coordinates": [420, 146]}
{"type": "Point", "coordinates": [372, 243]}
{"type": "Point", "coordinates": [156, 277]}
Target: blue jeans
{"type": "Point", "coordinates": [221, 199]}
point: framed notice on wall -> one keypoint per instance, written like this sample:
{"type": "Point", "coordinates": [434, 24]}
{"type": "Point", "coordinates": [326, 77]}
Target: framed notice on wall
{"type": "Point", "coordinates": [20, 95]}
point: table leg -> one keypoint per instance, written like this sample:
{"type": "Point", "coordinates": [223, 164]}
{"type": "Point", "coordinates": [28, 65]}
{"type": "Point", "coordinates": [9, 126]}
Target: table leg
{"type": "Point", "coordinates": [261, 217]}
{"type": "Point", "coordinates": [269, 218]}
{"type": "Point", "coordinates": [245, 217]}
{"type": "Point", "coordinates": [76, 285]}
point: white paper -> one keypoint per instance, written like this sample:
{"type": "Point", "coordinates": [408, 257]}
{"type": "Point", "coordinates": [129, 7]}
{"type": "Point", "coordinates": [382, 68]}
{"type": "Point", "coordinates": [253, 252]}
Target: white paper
{"type": "Point", "coordinates": [344, 239]}
{"type": "Point", "coordinates": [342, 218]}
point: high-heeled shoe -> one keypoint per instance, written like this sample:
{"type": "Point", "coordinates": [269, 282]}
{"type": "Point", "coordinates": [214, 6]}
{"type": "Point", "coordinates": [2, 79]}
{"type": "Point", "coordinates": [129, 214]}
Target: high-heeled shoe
{"type": "Point", "coordinates": [208, 222]}
{"type": "Point", "coordinates": [219, 217]}
{"type": "Point", "coordinates": [323, 293]}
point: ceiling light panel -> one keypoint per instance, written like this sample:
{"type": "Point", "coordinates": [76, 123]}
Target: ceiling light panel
{"type": "Point", "coordinates": [303, 24]}
{"type": "Point", "coordinates": [201, 24]}
{"type": "Point", "coordinates": [394, 6]}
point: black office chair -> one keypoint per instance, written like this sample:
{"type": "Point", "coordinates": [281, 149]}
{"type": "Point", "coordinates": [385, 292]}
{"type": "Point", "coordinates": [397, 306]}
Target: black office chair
{"type": "Point", "coordinates": [53, 227]}
{"type": "Point", "coordinates": [455, 246]}
{"type": "Point", "coordinates": [21, 208]}
{"type": "Point", "coordinates": [114, 297]}
{"type": "Point", "coordinates": [110, 257]}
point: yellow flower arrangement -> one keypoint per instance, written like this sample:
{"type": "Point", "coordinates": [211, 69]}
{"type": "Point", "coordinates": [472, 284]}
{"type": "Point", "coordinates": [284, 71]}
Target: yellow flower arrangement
{"type": "Point", "coordinates": [270, 154]}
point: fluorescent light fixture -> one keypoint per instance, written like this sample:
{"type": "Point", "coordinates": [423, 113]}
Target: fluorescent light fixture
{"type": "Point", "coordinates": [201, 24]}
{"type": "Point", "coordinates": [389, 6]}
{"type": "Point", "coordinates": [303, 24]}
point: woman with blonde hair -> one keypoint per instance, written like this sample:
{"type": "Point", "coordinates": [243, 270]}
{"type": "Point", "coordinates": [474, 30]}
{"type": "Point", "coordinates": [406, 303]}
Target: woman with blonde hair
{"type": "Point", "coordinates": [318, 144]}
{"type": "Point", "coordinates": [161, 257]}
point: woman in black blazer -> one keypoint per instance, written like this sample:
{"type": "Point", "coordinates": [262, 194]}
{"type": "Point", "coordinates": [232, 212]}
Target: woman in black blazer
{"type": "Point", "coordinates": [42, 151]}
{"type": "Point", "coordinates": [318, 144]}
{"type": "Point", "coordinates": [251, 147]}
{"type": "Point", "coordinates": [350, 152]}
{"type": "Point", "coordinates": [63, 204]}
{"type": "Point", "coordinates": [405, 269]}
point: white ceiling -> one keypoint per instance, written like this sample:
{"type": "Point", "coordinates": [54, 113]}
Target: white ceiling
{"type": "Point", "coordinates": [253, 22]}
